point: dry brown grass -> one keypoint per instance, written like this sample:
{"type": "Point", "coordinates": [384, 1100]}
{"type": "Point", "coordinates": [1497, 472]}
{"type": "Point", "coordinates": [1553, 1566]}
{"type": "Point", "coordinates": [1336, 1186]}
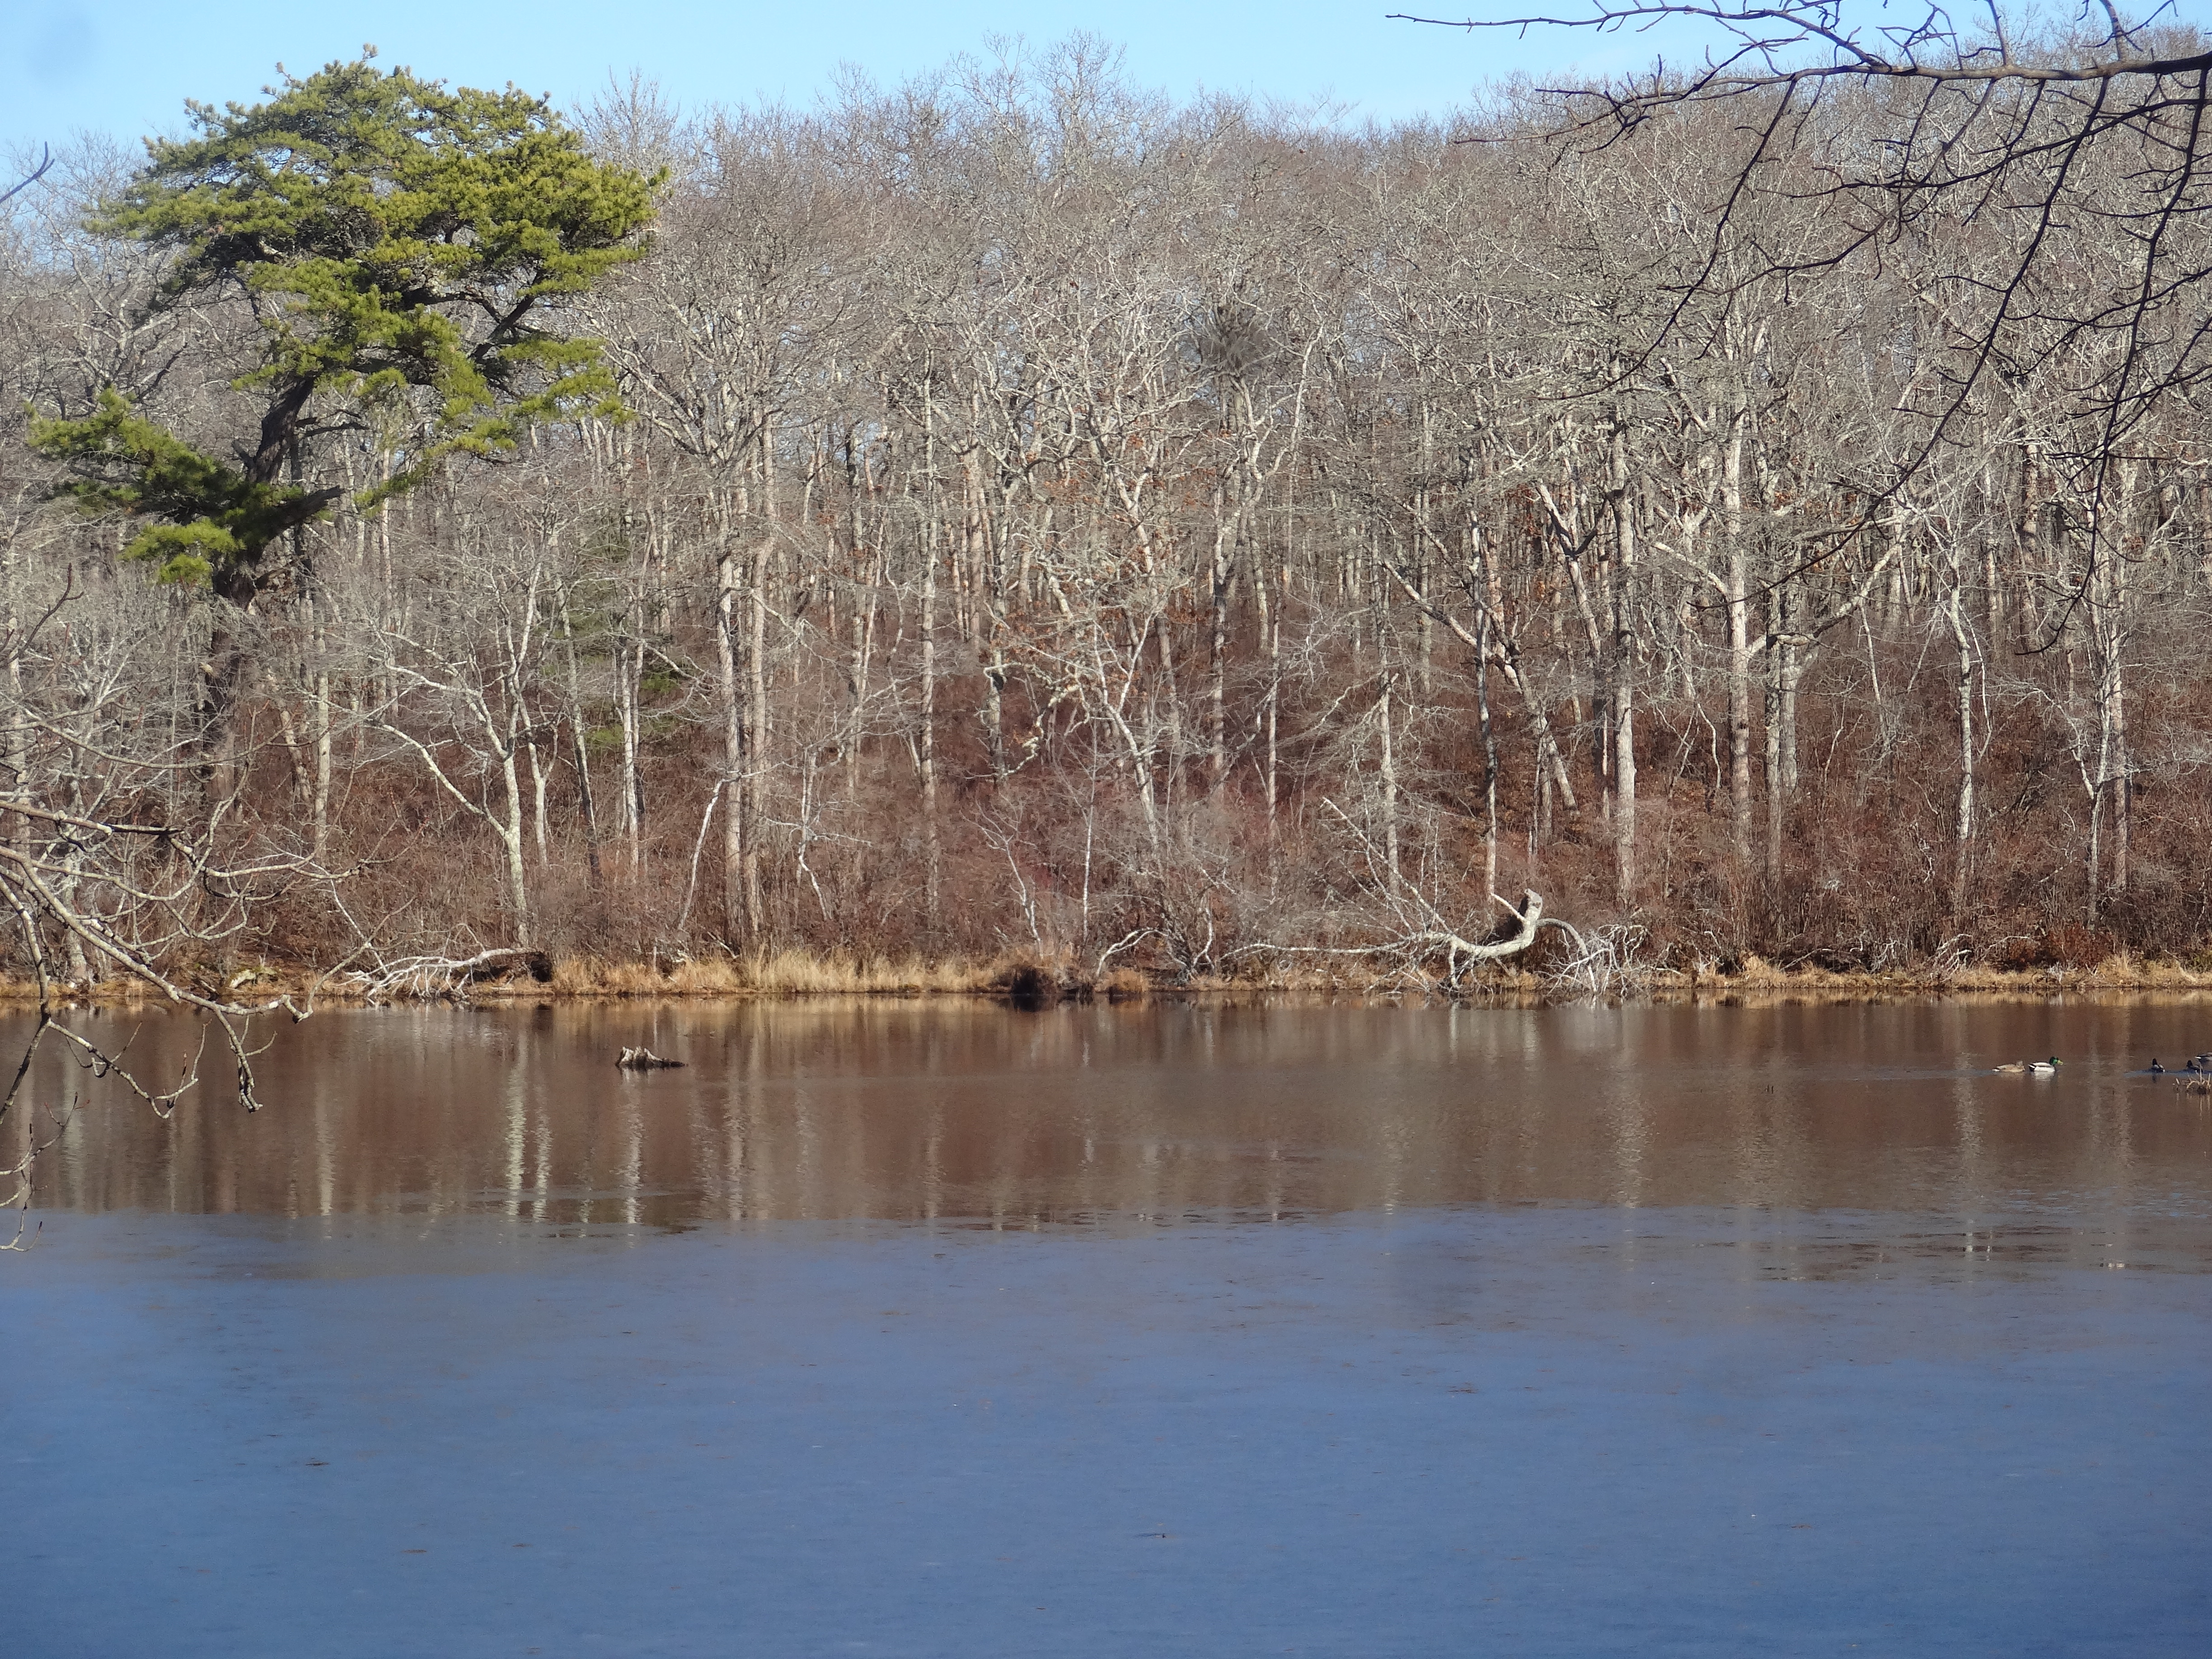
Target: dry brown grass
{"type": "Point", "coordinates": [2126, 969]}
{"type": "Point", "coordinates": [2121, 973]}
{"type": "Point", "coordinates": [800, 974]}
{"type": "Point", "coordinates": [786, 973]}
{"type": "Point", "coordinates": [1124, 985]}
{"type": "Point", "coordinates": [25, 992]}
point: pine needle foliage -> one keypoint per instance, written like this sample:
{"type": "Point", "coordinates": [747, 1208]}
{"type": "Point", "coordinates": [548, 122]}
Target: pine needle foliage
{"type": "Point", "coordinates": [404, 251]}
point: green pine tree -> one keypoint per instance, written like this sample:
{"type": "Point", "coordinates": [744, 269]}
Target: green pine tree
{"type": "Point", "coordinates": [404, 249]}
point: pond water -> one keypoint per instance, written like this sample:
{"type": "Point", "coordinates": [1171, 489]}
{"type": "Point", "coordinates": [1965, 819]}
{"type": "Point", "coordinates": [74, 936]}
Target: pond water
{"type": "Point", "coordinates": [895, 1329]}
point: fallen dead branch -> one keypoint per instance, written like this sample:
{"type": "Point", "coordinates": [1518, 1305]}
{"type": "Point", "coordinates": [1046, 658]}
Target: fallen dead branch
{"type": "Point", "coordinates": [436, 979]}
{"type": "Point", "coordinates": [1602, 961]}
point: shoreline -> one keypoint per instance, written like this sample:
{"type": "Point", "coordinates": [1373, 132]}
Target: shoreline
{"type": "Point", "coordinates": [1032, 981]}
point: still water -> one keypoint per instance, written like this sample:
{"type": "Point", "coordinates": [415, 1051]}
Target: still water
{"type": "Point", "coordinates": [894, 1328]}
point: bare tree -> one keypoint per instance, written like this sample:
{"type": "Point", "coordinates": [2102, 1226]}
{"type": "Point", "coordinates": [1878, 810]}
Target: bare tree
{"type": "Point", "coordinates": [97, 879]}
{"type": "Point", "coordinates": [1050, 504]}
{"type": "Point", "coordinates": [1925, 131]}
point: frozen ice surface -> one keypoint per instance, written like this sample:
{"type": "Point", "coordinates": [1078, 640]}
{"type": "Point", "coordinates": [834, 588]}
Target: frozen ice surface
{"type": "Point", "coordinates": [1570, 1431]}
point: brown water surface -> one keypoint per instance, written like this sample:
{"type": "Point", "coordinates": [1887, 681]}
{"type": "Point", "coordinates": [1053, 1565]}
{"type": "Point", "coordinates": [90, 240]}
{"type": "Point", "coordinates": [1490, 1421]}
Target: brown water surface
{"type": "Point", "coordinates": [900, 1111]}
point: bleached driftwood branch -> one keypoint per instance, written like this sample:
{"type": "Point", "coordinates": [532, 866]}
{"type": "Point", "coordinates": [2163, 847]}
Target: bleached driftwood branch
{"type": "Point", "coordinates": [430, 978]}
{"type": "Point", "coordinates": [1600, 962]}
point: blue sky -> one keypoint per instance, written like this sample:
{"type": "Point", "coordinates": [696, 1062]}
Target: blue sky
{"type": "Point", "coordinates": [125, 67]}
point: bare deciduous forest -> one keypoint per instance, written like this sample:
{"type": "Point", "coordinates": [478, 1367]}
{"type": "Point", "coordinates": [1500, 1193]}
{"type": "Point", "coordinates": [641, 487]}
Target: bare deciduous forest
{"type": "Point", "coordinates": [1045, 518]}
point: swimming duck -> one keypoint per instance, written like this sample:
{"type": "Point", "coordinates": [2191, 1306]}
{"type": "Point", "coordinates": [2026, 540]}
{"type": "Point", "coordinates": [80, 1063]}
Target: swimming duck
{"type": "Point", "coordinates": [2031, 1068]}
{"type": "Point", "coordinates": [2156, 1070]}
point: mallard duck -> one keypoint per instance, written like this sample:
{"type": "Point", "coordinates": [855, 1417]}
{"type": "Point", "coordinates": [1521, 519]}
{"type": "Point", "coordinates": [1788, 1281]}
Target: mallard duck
{"type": "Point", "coordinates": [2156, 1070]}
{"type": "Point", "coordinates": [2031, 1068]}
